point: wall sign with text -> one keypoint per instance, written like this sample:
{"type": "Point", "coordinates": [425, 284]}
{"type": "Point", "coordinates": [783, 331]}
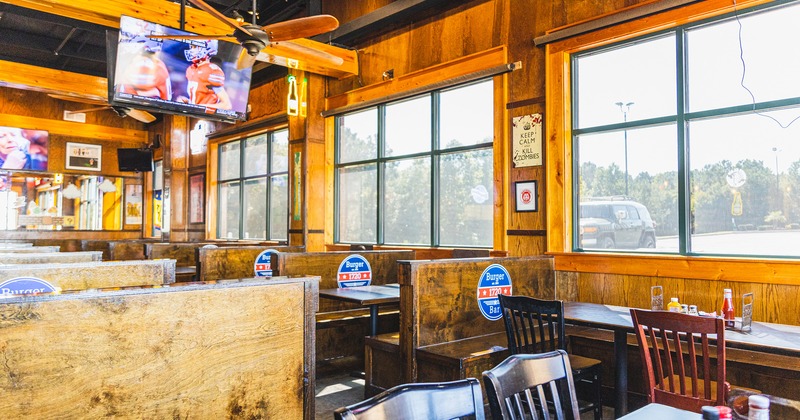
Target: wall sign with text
{"type": "Point", "coordinates": [526, 140]}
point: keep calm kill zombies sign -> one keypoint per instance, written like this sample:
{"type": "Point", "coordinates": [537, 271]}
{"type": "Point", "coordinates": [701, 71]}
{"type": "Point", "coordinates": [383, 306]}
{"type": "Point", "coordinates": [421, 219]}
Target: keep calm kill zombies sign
{"type": "Point", "coordinates": [526, 133]}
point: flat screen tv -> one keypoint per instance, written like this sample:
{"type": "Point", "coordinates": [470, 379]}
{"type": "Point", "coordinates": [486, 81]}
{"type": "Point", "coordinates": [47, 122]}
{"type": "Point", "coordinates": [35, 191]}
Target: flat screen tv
{"type": "Point", "coordinates": [135, 160]}
{"type": "Point", "coordinates": [23, 149]}
{"type": "Point", "coordinates": [195, 77]}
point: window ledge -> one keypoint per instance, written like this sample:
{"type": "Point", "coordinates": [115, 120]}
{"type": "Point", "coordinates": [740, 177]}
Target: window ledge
{"type": "Point", "coordinates": [677, 266]}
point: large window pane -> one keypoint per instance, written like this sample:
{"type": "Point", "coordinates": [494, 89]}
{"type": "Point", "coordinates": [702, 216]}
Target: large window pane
{"type": "Point", "coordinates": [770, 67]}
{"type": "Point", "coordinates": [280, 151]}
{"type": "Point", "coordinates": [629, 200]}
{"type": "Point", "coordinates": [466, 115]}
{"type": "Point", "coordinates": [279, 208]}
{"type": "Point", "coordinates": [229, 161]}
{"type": "Point", "coordinates": [466, 199]}
{"type": "Point", "coordinates": [255, 156]}
{"type": "Point", "coordinates": [229, 208]}
{"type": "Point", "coordinates": [255, 209]}
{"type": "Point", "coordinates": [407, 204]}
{"type": "Point", "coordinates": [358, 136]}
{"type": "Point", "coordinates": [641, 74]}
{"type": "Point", "coordinates": [408, 127]}
{"type": "Point", "coordinates": [745, 173]}
{"type": "Point", "coordinates": [358, 208]}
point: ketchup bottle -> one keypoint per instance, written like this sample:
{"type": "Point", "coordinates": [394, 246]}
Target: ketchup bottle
{"type": "Point", "coordinates": [727, 309]}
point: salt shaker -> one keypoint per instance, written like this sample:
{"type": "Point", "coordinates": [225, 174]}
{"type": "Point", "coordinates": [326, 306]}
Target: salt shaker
{"type": "Point", "coordinates": [758, 407]}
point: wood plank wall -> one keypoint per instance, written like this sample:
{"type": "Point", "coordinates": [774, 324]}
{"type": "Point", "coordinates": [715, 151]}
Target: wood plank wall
{"type": "Point", "coordinates": [776, 303]}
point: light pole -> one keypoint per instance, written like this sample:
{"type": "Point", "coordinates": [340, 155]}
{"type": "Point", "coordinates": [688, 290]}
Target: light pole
{"type": "Point", "coordinates": [624, 108]}
{"type": "Point", "coordinates": [778, 192]}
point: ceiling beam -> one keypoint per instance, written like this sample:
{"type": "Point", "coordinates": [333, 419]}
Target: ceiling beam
{"type": "Point", "coordinates": [40, 79]}
{"type": "Point", "coordinates": [108, 12]}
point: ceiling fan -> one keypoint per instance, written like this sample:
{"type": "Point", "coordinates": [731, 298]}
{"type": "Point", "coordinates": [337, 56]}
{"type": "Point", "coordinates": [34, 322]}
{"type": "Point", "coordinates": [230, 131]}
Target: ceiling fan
{"type": "Point", "coordinates": [254, 38]}
{"type": "Point", "coordinates": [122, 111]}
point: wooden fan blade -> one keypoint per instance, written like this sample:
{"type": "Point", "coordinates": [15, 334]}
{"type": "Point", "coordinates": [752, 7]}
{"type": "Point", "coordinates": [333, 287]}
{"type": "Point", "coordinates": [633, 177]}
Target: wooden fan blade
{"type": "Point", "coordinates": [301, 53]}
{"type": "Point", "coordinates": [301, 28]}
{"type": "Point", "coordinates": [217, 14]}
{"type": "Point", "coordinates": [77, 99]}
{"type": "Point", "coordinates": [143, 116]}
{"type": "Point", "coordinates": [245, 60]}
{"type": "Point", "coordinates": [229, 38]}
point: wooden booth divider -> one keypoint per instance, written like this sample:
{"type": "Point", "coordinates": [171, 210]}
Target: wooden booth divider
{"type": "Point", "coordinates": [168, 352]}
{"type": "Point", "coordinates": [232, 262]}
{"type": "Point", "coordinates": [30, 249]}
{"type": "Point", "coordinates": [342, 326]}
{"type": "Point", "coordinates": [49, 257]}
{"type": "Point", "coordinates": [443, 334]}
{"type": "Point", "coordinates": [100, 274]}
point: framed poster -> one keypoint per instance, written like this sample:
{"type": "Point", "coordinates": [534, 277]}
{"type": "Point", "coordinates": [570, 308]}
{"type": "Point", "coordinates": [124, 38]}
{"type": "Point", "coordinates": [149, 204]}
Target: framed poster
{"type": "Point", "coordinates": [133, 204]}
{"type": "Point", "coordinates": [84, 157]}
{"type": "Point", "coordinates": [197, 191]}
{"type": "Point", "coordinates": [526, 140]}
{"type": "Point", "coordinates": [527, 196]}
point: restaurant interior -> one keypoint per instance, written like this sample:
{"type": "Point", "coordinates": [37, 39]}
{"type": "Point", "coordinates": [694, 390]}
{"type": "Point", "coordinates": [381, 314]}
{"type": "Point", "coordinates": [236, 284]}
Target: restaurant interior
{"type": "Point", "coordinates": [400, 209]}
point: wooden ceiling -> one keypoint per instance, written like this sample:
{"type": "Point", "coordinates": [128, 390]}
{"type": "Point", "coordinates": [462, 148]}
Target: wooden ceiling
{"type": "Point", "coordinates": [70, 35]}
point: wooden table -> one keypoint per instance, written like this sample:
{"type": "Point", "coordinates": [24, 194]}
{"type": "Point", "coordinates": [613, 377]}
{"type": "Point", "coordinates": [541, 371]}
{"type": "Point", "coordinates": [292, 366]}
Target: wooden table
{"type": "Point", "coordinates": [655, 411]}
{"type": "Point", "coordinates": [372, 296]}
{"type": "Point", "coordinates": [763, 337]}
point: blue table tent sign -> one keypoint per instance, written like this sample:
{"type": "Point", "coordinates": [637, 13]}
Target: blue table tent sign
{"type": "Point", "coordinates": [494, 280]}
{"type": "Point", "coordinates": [263, 264]}
{"type": "Point", "coordinates": [26, 286]}
{"type": "Point", "coordinates": [354, 271]}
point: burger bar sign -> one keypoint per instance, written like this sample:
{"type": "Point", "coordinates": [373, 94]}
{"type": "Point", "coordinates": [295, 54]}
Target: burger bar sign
{"type": "Point", "coordinates": [526, 135]}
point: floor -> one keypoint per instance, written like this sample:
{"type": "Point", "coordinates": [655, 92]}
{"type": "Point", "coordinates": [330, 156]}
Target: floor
{"type": "Point", "coordinates": [339, 390]}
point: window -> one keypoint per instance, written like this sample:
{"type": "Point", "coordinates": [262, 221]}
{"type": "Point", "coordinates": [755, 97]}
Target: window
{"type": "Point", "coordinates": [253, 187]}
{"type": "Point", "coordinates": [694, 130]}
{"type": "Point", "coordinates": [418, 171]}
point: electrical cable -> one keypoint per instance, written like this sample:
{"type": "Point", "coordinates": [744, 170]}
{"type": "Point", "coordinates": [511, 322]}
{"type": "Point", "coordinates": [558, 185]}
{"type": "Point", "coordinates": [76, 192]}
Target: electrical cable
{"type": "Point", "coordinates": [744, 73]}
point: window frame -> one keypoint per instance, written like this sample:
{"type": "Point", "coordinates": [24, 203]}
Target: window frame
{"type": "Point", "coordinates": [561, 173]}
{"type": "Point", "coordinates": [434, 155]}
{"type": "Point", "coordinates": [242, 180]}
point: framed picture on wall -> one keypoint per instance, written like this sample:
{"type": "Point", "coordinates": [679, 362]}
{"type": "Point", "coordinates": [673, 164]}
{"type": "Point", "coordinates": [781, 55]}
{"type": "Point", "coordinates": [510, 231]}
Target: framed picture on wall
{"type": "Point", "coordinates": [197, 191]}
{"type": "Point", "coordinates": [133, 204]}
{"type": "Point", "coordinates": [84, 157]}
{"type": "Point", "coordinates": [527, 196]}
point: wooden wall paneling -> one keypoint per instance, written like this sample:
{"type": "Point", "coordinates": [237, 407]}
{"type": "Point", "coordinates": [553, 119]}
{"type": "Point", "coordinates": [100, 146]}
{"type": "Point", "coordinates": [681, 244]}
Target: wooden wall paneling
{"type": "Point", "coordinates": [775, 303]}
{"type": "Point", "coordinates": [315, 161]}
{"type": "Point", "coordinates": [347, 11]}
{"type": "Point", "coordinates": [298, 175]}
{"type": "Point", "coordinates": [268, 99]}
{"type": "Point", "coordinates": [176, 155]}
{"type": "Point", "coordinates": [212, 190]}
{"type": "Point", "coordinates": [501, 163]}
{"type": "Point", "coordinates": [330, 176]}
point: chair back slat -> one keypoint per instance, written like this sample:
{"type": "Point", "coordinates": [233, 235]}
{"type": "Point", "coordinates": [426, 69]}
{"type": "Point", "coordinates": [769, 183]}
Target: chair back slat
{"type": "Point", "coordinates": [670, 358]}
{"type": "Point", "coordinates": [512, 385]}
{"type": "Point", "coordinates": [693, 365]}
{"type": "Point", "coordinates": [532, 325]}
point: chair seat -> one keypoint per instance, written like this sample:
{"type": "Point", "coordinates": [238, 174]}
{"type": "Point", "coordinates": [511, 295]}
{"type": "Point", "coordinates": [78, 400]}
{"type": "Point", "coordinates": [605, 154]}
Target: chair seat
{"type": "Point", "coordinates": [580, 364]}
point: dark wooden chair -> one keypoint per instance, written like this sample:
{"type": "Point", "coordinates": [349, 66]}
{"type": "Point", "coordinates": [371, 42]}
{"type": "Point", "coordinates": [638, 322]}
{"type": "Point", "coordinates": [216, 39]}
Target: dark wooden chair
{"type": "Point", "coordinates": [671, 345]}
{"type": "Point", "coordinates": [420, 401]}
{"type": "Point", "coordinates": [532, 386]}
{"type": "Point", "coordinates": [536, 326]}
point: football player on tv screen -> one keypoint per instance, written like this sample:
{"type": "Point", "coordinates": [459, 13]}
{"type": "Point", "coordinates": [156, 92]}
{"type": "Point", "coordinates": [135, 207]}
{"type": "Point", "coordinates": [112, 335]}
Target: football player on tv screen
{"type": "Point", "coordinates": [147, 75]}
{"type": "Point", "coordinates": [205, 77]}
